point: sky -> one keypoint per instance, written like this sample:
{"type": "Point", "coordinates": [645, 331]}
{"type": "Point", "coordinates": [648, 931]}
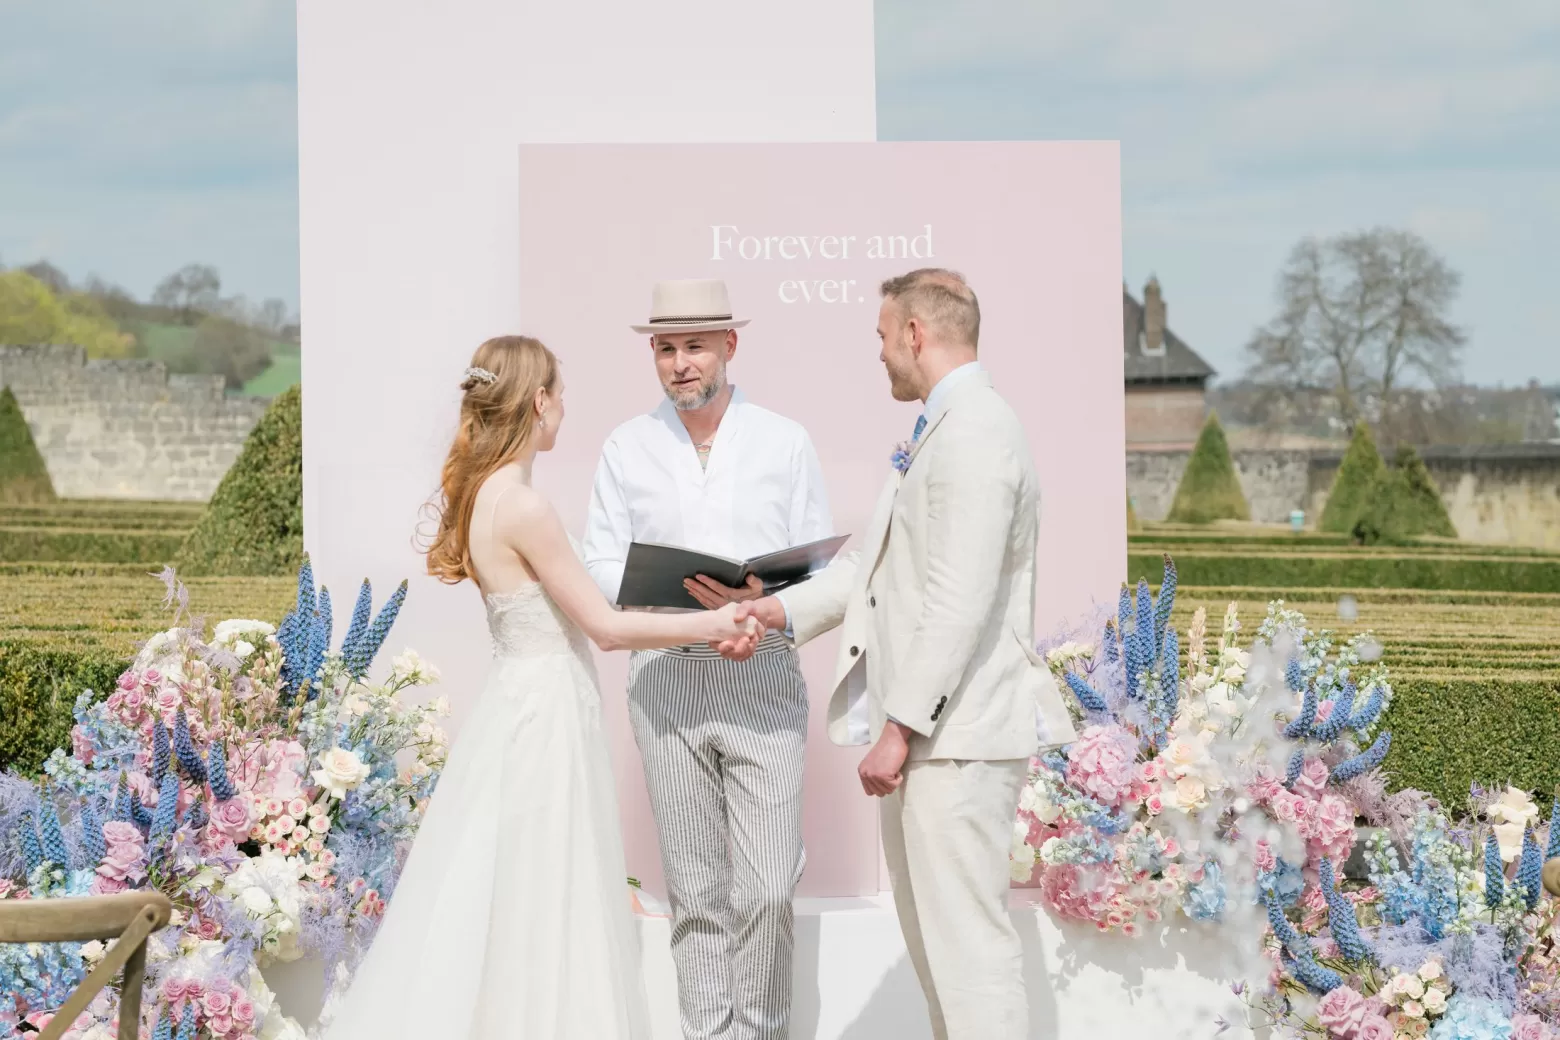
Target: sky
{"type": "Point", "coordinates": [137, 138]}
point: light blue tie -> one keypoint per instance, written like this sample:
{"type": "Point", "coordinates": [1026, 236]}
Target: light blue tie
{"type": "Point", "coordinates": [920, 427]}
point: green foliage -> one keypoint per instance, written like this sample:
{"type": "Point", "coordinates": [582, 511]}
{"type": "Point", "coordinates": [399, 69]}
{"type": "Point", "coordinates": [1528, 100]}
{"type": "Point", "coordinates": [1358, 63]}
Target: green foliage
{"type": "Point", "coordinates": [23, 476]}
{"type": "Point", "coordinates": [1209, 489]}
{"type": "Point", "coordinates": [286, 371]}
{"type": "Point", "coordinates": [1133, 523]}
{"type": "Point", "coordinates": [38, 688]}
{"type": "Point", "coordinates": [254, 523]}
{"type": "Point", "coordinates": [1359, 570]}
{"type": "Point", "coordinates": [150, 548]}
{"type": "Point", "coordinates": [31, 313]}
{"type": "Point", "coordinates": [1422, 497]}
{"type": "Point", "coordinates": [1448, 734]}
{"type": "Point", "coordinates": [1354, 484]}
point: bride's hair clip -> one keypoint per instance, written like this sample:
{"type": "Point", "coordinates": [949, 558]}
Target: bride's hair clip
{"type": "Point", "coordinates": [476, 376]}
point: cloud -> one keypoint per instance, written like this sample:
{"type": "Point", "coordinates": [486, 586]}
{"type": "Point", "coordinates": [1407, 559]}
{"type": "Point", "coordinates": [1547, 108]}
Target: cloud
{"type": "Point", "coordinates": [1246, 127]}
{"type": "Point", "coordinates": [136, 138]}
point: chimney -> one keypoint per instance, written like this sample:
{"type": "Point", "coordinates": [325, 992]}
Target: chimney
{"type": "Point", "coordinates": [1153, 318]}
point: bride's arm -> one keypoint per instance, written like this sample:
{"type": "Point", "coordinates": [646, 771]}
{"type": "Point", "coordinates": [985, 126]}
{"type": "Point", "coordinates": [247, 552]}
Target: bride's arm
{"type": "Point", "coordinates": [528, 524]}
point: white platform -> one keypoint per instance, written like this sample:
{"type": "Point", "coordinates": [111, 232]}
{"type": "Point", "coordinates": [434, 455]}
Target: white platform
{"type": "Point", "coordinates": [853, 980]}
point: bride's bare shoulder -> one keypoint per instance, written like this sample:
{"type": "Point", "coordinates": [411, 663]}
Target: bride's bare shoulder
{"type": "Point", "coordinates": [513, 501]}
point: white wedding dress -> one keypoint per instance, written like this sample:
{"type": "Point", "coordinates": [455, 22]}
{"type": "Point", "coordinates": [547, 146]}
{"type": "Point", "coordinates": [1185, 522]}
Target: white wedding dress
{"type": "Point", "coordinates": [512, 919]}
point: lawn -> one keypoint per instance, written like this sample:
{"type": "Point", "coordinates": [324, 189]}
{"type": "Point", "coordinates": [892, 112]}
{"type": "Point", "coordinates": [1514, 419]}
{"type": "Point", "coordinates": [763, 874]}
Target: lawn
{"type": "Point", "coordinates": [165, 342]}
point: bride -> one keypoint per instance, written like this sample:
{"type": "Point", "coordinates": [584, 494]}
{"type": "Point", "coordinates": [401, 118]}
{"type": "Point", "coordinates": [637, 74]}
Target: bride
{"type": "Point", "coordinates": [511, 918]}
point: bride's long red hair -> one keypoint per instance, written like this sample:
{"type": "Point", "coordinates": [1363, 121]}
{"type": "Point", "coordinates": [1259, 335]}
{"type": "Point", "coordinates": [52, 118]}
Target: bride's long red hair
{"type": "Point", "coordinates": [497, 422]}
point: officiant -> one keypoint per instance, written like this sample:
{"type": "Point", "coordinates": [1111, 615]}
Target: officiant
{"type": "Point", "coordinates": [722, 741]}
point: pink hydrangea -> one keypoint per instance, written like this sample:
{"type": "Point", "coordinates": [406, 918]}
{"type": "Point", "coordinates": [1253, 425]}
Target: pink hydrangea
{"type": "Point", "coordinates": [1103, 763]}
{"type": "Point", "coordinates": [1341, 1011]}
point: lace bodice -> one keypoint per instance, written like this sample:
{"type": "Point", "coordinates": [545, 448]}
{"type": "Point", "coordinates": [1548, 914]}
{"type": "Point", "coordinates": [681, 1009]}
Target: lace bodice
{"type": "Point", "coordinates": [527, 623]}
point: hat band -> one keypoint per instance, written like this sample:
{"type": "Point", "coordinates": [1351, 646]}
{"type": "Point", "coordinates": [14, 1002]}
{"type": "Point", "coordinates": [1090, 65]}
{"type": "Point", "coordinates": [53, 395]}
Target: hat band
{"type": "Point", "coordinates": [690, 319]}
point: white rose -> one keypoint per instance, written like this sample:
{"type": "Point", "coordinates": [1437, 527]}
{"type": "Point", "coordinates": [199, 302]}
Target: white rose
{"type": "Point", "coordinates": [1509, 835]}
{"type": "Point", "coordinates": [228, 631]}
{"type": "Point", "coordinates": [1434, 1001]}
{"type": "Point", "coordinates": [93, 951]}
{"type": "Point", "coordinates": [352, 706]}
{"type": "Point", "coordinates": [340, 771]}
{"type": "Point", "coordinates": [1430, 970]}
{"type": "Point", "coordinates": [242, 649]}
{"type": "Point", "coordinates": [1190, 793]}
{"type": "Point", "coordinates": [1022, 863]}
{"type": "Point", "coordinates": [1413, 986]}
{"type": "Point", "coordinates": [1514, 806]}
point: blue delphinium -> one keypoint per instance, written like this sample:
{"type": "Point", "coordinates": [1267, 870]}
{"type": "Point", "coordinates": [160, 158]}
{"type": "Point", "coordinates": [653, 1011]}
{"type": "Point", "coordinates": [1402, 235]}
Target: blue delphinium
{"type": "Point", "coordinates": [1169, 679]}
{"type": "Point", "coordinates": [217, 773]}
{"type": "Point", "coordinates": [1109, 641]}
{"type": "Point", "coordinates": [1087, 696]}
{"type": "Point", "coordinates": [327, 617]}
{"type": "Point", "coordinates": [1341, 921]}
{"type": "Point", "coordinates": [184, 748]}
{"type": "Point", "coordinates": [1166, 601]}
{"type": "Point", "coordinates": [164, 1030]}
{"type": "Point", "coordinates": [1530, 872]}
{"type": "Point", "coordinates": [1143, 634]}
{"type": "Point", "coordinates": [161, 751]}
{"type": "Point", "coordinates": [122, 801]}
{"type": "Point", "coordinates": [27, 839]}
{"type": "Point", "coordinates": [1371, 710]}
{"type": "Point", "coordinates": [38, 975]}
{"type": "Point", "coordinates": [1294, 676]}
{"type": "Point", "coordinates": [93, 844]}
{"type": "Point", "coordinates": [1337, 716]}
{"type": "Point", "coordinates": [1301, 725]}
{"type": "Point", "coordinates": [1427, 892]}
{"type": "Point", "coordinates": [1363, 762]}
{"type": "Point", "coordinates": [1205, 899]}
{"type": "Point", "coordinates": [52, 834]}
{"type": "Point", "coordinates": [362, 613]}
{"type": "Point", "coordinates": [140, 815]}
{"type": "Point", "coordinates": [166, 818]}
{"type": "Point", "coordinates": [1313, 976]}
{"type": "Point", "coordinates": [187, 1023]}
{"type": "Point", "coordinates": [374, 638]}
{"type": "Point", "coordinates": [1554, 831]}
{"type": "Point", "coordinates": [1494, 874]}
{"type": "Point", "coordinates": [1295, 767]}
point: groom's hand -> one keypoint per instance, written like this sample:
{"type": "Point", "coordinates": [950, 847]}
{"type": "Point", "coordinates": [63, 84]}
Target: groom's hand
{"type": "Point", "coordinates": [882, 771]}
{"type": "Point", "coordinates": [713, 595]}
{"type": "Point", "coordinates": [767, 612]}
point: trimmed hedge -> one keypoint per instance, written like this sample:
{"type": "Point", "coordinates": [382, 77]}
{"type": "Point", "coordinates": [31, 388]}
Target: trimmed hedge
{"type": "Point", "coordinates": [1450, 733]}
{"type": "Point", "coordinates": [1354, 484]}
{"type": "Point", "coordinates": [1209, 489]}
{"type": "Point", "coordinates": [1349, 570]}
{"type": "Point", "coordinates": [254, 523]}
{"type": "Point", "coordinates": [23, 476]}
{"type": "Point", "coordinates": [43, 544]}
{"type": "Point", "coordinates": [1422, 496]}
{"type": "Point", "coordinates": [38, 688]}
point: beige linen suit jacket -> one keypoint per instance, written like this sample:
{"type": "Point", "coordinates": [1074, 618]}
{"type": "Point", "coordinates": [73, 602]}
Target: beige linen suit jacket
{"type": "Point", "coordinates": [937, 607]}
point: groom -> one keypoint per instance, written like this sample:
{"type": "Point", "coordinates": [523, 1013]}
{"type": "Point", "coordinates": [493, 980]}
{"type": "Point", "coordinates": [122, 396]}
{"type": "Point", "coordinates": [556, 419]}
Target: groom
{"type": "Point", "coordinates": [936, 667]}
{"type": "Point", "coordinates": [722, 741]}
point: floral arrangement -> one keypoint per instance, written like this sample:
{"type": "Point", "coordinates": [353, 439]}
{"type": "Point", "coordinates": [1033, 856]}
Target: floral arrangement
{"type": "Point", "coordinates": [1229, 784]}
{"type": "Point", "coordinates": [255, 777]}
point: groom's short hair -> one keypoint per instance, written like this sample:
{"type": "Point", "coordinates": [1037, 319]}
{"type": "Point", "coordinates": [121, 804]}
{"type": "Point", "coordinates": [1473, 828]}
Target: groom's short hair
{"type": "Point", "coordinates": [941, 299]}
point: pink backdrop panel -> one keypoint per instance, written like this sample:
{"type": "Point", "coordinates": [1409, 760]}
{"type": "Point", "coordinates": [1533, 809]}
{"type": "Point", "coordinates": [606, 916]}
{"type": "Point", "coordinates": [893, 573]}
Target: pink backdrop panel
{"type": "Point", "coordinates": [803, 234]}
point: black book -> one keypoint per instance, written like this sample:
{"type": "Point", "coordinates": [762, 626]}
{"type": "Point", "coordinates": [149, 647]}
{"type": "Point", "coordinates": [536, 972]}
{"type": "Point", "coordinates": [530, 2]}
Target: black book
{"type": "Point", "coordinates": [653, 575]}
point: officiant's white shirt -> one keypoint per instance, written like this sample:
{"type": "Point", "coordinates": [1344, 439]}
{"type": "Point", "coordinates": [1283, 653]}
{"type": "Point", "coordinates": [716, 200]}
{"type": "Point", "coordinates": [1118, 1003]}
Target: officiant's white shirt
{"type": "Point", "coordinates": [762, 491]}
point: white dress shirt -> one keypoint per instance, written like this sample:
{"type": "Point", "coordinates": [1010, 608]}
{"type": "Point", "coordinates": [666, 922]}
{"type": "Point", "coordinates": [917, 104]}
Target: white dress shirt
{"type": "Point", "coordinates": [856, 711]}
{"type": "Point", "coordinates": [762, 489]}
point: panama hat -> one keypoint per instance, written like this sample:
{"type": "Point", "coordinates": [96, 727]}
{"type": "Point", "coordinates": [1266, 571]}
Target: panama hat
{"type": "Point", "coordinates": [689, 305]}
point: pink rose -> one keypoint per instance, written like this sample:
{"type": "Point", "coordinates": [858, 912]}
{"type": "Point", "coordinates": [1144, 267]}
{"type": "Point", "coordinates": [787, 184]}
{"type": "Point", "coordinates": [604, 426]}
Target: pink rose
{"type": "Point", "coordinates": [1529, 1027]}
{"type": "Point", "coordinates": [1341, 1011]}
{"type": "Point", "coordinates": [220, 1025]}
{"type": "Point", "coordinates": [1266, 861]}
{"type": "Point", "coordinates": [243, 1011]}
{"type": "Point", "coordinates": [143, 788]}
{"type": "Point", "coordinates": [1313, 779]}
{"type": "Point", "coordinates": [115, 701]}
{"type": "Point", "coordinates": [1332, 829]}
{"type": "Point", "coordinates": [206, 928]}
{"type": "Point", "coordinates": [233, 818]}
{"type": "Point", "coordinates": [216, 1003]}
{"type": "Point", "coordinates": [117, 832]}
{"type": "Point", "coordinates": [128, 681]}
{"type": "Point", "coordinates": [169, 701]}
{"type": "Point", "coordinates": [1373, 1027]}
{"type": "Point", "coordinates": [151, 677]}
{"type": "Point", "coordinates": [175, 990]}
{"type": "Point", "coordinates": [1155, 804]}
{"type": "Point", "coordinates": [1264, 787]}
{"type": "Point", "coordinates": [134, 699]}
{"type": "Point", "coordinates": [107, 886]}
{"type": "Point", "coordinates": [1287, 807]}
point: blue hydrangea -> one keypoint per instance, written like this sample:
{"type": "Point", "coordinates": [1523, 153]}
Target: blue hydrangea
{"type": "Point", "coordinates": [1472, 1018]}
{"type": "Point", "coordinates": [1205, 899]}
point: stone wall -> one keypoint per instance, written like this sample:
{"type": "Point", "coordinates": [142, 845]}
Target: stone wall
{"type": "Point", "coordinates": [126, 428]}
{"type": "Point", "coordinates": [1275, 482]}
{"type": "Point", "coordinates": [1502, 494]}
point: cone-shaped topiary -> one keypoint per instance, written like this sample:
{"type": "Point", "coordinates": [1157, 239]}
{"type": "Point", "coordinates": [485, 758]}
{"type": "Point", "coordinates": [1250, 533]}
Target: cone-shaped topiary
{"type": "Point", "coordinates": [1355, 483]}
{"type": "Point", "coordinates": [23, 478]}
{"type": "Point", "coordinates": [1422, 495]}
{"type": "Point", "coordinates": [254, 523]}
{"type": "Point", "coordinates": [1209, 489]}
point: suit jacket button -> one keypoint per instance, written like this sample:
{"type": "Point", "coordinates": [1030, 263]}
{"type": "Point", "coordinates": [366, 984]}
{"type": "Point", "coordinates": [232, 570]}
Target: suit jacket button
{"type": "Point", "coordinates": [872, 601]}
{"type": "Point", "coordinates": [854, 651]}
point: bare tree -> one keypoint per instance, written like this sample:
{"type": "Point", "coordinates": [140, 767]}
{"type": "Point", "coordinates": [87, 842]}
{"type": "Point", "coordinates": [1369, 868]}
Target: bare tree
{"type": "Point", "coordinates": [191, 291]}
{"type": "Point", "coordinates": [1360, 315]}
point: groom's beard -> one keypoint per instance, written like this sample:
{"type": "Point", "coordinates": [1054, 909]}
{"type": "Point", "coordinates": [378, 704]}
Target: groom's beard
{"type": "Point", "coordinates": [699, 396]}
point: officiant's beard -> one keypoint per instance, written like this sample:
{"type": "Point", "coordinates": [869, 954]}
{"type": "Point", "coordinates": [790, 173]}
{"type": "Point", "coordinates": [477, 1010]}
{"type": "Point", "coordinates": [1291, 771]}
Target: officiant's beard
{"type": "Point", "coordinates": [703, 394]}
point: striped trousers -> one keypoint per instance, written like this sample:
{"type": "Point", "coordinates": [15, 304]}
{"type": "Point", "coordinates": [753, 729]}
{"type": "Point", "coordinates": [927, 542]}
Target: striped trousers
{"type": "Point", "coordinates": [722, 743]}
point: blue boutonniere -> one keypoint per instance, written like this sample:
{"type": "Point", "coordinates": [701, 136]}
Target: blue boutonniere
{"type": "Point", "coordinates": [901, 456]}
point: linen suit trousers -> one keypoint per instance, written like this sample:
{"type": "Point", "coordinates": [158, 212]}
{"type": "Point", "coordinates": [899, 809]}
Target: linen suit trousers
{"type": "Point", "coordinates": [722, 743]}
{"type": "Point", "coordinates": [947, 831]}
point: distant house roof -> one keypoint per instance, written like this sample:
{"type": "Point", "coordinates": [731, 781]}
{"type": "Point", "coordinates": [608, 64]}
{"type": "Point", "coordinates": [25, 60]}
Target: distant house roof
{"type": "Point", "coordinates": [1177, 363]}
